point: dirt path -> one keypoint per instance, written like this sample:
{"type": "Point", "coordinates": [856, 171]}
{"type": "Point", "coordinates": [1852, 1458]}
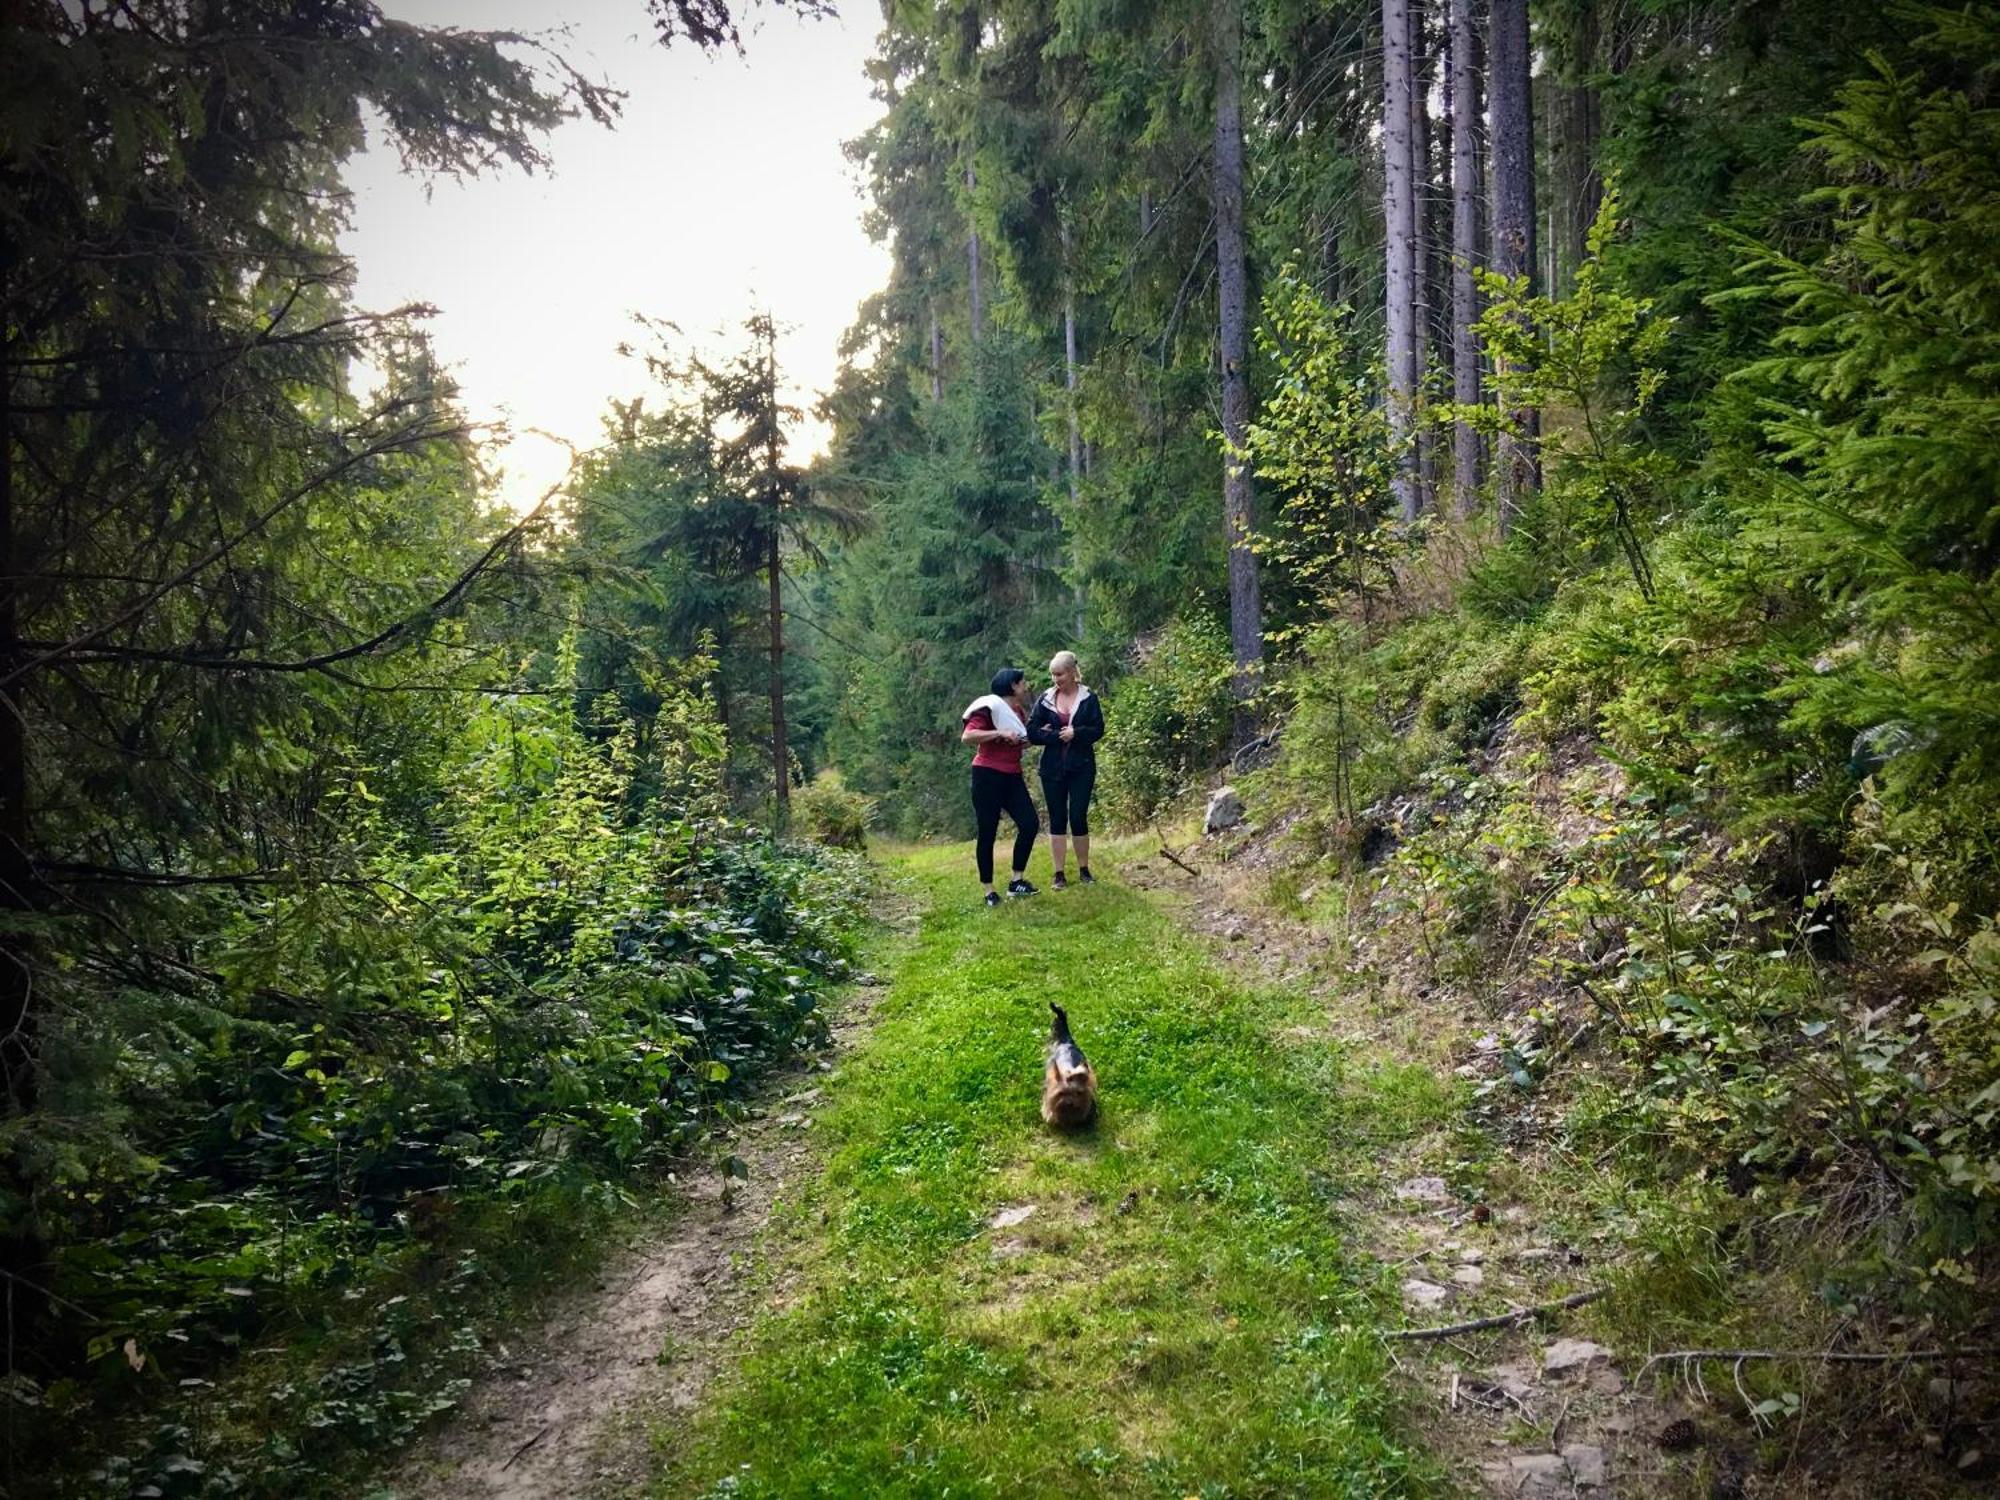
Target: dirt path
{"type": "Point", "coordinates": [566, 1408]}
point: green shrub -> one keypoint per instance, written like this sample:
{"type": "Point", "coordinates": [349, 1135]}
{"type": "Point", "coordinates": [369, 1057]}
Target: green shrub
{"type": "Point", "coordinates": [547, 983]}
{"type": "Point", "coordinates": [828, 813]}
{"type": "Point", "coordinates": [1169, 722]}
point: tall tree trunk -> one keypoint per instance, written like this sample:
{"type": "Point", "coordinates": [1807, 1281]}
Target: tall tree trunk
{"type": "Point", "coordinates": [937, 356]}
{"type": "Point", "coordinates": [1399, 240]}
{"type": "Point", "coordinates": [1465, 195]}
{"type": "Point", "coordinates": [1579, 186]}
{"type": "Point", "coordinates": [1331, 283]}
{"type": "Point", "coordinates": [780, 753]}
{"type": "Point", "coordinates": [1421, 284]}
{"type": "Point", "coordinates": [1075, 423]}
{"type": "Point", "coordinates": [1246, 628]}
{"type": "Point", "coordinates": [1514, 240]}
{"type": "Point", "coordinates": [978, 302]}
{"type": "Point", "coordinates": [781, 763]}
{"type": "Point", "coordinates": [17, 880]}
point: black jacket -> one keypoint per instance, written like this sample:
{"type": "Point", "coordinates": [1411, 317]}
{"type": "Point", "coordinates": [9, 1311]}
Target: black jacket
{"type": "Point", "coordinates": [1045, 729]}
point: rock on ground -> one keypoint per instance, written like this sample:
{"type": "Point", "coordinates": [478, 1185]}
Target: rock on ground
{"type": "Point", "coordinates": [1225, 810]}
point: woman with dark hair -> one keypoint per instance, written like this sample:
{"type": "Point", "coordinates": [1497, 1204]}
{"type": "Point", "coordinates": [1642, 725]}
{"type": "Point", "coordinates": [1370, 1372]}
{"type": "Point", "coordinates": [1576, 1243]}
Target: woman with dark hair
{"type": "Point", "coordinates": [995, 728]}
{"type": "Point", "coordinates": [1067, 723]}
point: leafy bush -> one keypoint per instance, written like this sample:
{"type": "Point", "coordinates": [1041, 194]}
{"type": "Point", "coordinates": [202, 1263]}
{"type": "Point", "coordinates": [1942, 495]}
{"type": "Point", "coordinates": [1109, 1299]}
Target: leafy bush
{"type": "Point", "coordinates": [828, 813]}
{"type": "Point", "coordinates": [1169, 722]}
{"type": "Point", "coordinates": [1588, 363]}
{"type": "Point", "coordinates": [545, 982]}
{"type": "Point", "coordinates": [1323, 441]}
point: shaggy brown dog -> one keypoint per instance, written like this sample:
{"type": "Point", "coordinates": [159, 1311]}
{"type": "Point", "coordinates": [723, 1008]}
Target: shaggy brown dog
{"type": "Point", "coordinates": [1069, 1087]}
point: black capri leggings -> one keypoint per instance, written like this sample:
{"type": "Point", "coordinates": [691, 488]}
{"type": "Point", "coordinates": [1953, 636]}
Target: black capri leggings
{"type": "Point", "coordinates": [1068, 797]}
{"type": "Point", "coordinates": [995, 792]}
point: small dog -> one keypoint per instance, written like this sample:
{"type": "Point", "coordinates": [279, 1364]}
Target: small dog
{"type": "Point", "coordinates": [1069, 1087]}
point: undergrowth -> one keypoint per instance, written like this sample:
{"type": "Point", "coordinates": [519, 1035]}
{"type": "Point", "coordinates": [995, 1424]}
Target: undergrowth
{"type": "Point", "coordinates": [281, 1199]}
{"type": "Point", "coordinates": [1741, 1021]}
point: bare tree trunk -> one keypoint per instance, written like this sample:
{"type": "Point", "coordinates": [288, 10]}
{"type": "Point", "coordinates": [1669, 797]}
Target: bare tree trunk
{"type": "Point", "coordinates": [1399, 233]}
{"type": "Point", "coordinates": [972, 263]}
{"type": "Point", "coordinates": [1075, 424]}
{"type": "Point", "coordinates": [1332, 284]}
{"type": "Point", "coordinates": [1420, 251]}
{"type": "Point", "coordinates": [937, 357]}
{"type": "Point", "coordinates": [1579, 185]}
{"type": "Point", "coordinates": [17, 877]}
{"type": "Point", "coordinates": [780, 752]}
{"type": "Point", "coordinates": [1465, 195]}
{"type": "Point", "coordinates": [1246, 629]}
{"type": "Point", "coordinates": [781, 762]}
{"type": "Point", "coordinates": [1513, 215]}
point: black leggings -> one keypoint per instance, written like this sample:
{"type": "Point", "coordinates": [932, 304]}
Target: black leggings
{"type": "Point", "coordinates": [995, 792]}
{"type": "Point", "coordinates": [1068, 797]}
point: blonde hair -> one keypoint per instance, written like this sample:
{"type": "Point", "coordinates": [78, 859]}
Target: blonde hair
{"type": "Point", "coordinates": [1062, 659]}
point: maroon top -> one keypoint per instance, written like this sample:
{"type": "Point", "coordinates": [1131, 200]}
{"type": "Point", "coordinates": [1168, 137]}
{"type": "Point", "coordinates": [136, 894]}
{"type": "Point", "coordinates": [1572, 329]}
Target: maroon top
{"type": "Point", "coordinates": [994, 755]}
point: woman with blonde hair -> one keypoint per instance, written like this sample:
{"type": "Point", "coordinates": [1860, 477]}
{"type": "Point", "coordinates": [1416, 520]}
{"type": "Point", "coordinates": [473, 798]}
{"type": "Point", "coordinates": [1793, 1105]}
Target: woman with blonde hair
{"type": "Point", "coordinates": [1067, 722]}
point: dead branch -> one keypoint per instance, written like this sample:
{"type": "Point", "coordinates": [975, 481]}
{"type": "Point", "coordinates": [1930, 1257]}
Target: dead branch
{"type": "Point", "coordinates": [1502, 1320]}
{"type": "Point", "coordinates": [1824, 1356]}
{"type": "Point", "coordinates": [547, 1428]}
{"type": "Point", "coordinates": [1168, 854]}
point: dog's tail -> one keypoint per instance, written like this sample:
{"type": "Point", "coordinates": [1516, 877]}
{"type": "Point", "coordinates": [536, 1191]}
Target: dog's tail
{"type": "Point", "coordinates": [1059, 1032]}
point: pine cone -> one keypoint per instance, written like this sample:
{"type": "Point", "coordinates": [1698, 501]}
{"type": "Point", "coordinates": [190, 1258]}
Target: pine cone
{"type": "Point", "coordinates": [1679, 1435]}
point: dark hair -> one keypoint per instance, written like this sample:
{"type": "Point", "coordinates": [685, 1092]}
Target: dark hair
{"type": "Point", "coordinates": [1004, 680]}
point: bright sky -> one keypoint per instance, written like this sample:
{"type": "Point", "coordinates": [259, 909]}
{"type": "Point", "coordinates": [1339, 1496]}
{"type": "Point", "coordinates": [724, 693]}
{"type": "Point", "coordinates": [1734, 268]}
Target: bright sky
{"type": "Point", "coordinates": [723, 189]}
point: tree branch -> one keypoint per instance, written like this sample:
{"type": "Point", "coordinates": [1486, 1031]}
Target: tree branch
{"type": "Point", "coordinates": [1503, 1320]}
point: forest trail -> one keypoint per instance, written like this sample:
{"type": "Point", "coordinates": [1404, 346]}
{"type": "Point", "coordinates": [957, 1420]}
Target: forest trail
{"type": "Point", "coordinates": [565, 1409]}
{"type": "Point", "coordinates": [923, 1291]}
{"type": "Point", "coordinates": [972, 1305]}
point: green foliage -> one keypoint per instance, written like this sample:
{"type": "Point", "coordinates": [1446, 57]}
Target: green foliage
{"type": "Point", "coordinates": [828, 813]}
{"type": "Point", "coordinates": [1879, 511]}
{"type": "Point", "coordinates": [550, 983]}
{"type": "Point", "coordinates": [1322, 440]}
{"type": "Point", "coordinates": [677, 523]}
{"type": "Point", "coordinates": [1752, 1053]}
{"type": "Point", "coordinates": [352, 925]}
{"type": "Point", "coordinates": [954, 583]}
{"type": "Point", "coordinates": [1174, 715]}
{"type": "Point", "coordinates": [1587, 364]}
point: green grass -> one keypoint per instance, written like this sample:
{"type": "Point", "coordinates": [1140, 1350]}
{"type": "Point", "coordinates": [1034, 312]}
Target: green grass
{"type": "Point", "coordinates": [1177, 1317]}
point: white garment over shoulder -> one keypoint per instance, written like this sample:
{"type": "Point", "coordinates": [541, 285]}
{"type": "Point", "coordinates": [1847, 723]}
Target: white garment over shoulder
{"type": "Point", "coordinates": [1004, 717]}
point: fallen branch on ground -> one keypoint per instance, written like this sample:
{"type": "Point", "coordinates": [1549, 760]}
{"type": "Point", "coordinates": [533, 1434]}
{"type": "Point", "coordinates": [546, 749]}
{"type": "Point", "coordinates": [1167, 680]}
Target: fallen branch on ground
{"type": "Point", "coordinates": [1825, 1356]}
{"type": "Point", "coordinates": [1502, 1320]}
{"type": "Point", "coordinates": [1168, 854]}
{"type": "Point", "coordinates": [547, 1428]}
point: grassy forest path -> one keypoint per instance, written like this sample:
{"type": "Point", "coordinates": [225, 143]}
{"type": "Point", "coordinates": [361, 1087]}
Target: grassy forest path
{"type": "Point", "coordinates": [960, 1302]}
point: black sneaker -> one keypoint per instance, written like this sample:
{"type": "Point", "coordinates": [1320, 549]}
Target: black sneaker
{"type": "Point", "coordinates": [992, 898]}
{"type": "Point", "coordinates": [1019, 888]}
{"type": "Point", "coordinates": [1084, 877]}
{"type": "Point", "coordinates": [1059, 883]}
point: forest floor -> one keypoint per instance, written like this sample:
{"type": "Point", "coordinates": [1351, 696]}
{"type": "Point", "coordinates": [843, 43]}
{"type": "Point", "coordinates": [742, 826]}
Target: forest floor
{"type": "Point", "coordinates": [922, 1291]}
